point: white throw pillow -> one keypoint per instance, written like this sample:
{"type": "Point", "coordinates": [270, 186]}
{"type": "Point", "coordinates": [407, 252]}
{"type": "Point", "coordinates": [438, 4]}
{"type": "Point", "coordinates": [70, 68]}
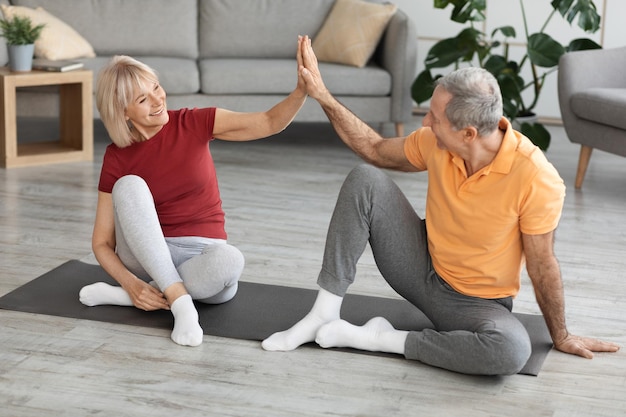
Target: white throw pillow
{"type": "Point", "coordinates": [58, 40]}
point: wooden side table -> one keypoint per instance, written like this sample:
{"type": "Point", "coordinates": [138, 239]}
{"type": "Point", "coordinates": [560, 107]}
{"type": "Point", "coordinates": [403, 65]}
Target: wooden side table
{"type": "Point", "coordinates": [75, 142]}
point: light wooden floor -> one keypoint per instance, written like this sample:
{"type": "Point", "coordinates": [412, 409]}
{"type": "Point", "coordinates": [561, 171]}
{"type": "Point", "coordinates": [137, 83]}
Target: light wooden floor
{"type": "Point", "coordinates": [278, 195]}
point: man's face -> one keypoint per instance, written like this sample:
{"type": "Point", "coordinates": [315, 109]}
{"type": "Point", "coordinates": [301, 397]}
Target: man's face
{"type": "Point", "coordinates": [447, 138]}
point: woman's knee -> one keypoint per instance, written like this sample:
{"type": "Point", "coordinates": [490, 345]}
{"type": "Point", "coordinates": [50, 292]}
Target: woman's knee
{"type": "Point", "coordinates": [217, 268]}
{"type": "Point", "coordinates": [129, 184]}
{"type": "Point", "coordinates": [221, 263]}
{"type": "Point", "coordinates": [229, 256]}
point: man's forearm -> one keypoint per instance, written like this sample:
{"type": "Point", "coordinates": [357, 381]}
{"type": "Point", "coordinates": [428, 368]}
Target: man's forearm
{"type": "Point", "coordinates": [549, 294]}
{"type": "Point", "coordinates": [355, 133]}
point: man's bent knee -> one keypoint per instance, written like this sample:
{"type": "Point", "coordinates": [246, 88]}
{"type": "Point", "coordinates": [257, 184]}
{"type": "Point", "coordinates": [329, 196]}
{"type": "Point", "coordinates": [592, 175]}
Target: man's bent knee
{"type": "Point", "coordinates": [512, 353]}
{"type": "Point", "coordinates": [365, 173]}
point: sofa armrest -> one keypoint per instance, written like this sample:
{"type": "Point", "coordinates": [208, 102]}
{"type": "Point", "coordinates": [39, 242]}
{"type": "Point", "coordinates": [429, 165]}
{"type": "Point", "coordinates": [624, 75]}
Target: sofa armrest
{"type": "Point", "coordinates": [398, 55]}
{"type": "Point", "coordinates": [580, 70]}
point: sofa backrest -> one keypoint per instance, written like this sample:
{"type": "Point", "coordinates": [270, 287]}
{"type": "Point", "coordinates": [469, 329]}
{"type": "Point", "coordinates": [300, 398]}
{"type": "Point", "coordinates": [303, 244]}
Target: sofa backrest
{"type": "Point", "coordinates": [257, 28]}
{"type": "Point", "coordinates": [131, 27]}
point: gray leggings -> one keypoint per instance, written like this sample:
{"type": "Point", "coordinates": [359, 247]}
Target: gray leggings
{"type": "Point", "coordinates": [469, 335]}
{"type": "Point", "coordinates": [209, 268]}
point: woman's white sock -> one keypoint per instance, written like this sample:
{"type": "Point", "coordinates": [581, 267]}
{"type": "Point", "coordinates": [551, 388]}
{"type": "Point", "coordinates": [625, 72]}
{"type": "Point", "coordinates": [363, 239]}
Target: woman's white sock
{"type": "Point", "coordinates": [187, 330]}
{"type": "Point", "coordinates": [102, 293]}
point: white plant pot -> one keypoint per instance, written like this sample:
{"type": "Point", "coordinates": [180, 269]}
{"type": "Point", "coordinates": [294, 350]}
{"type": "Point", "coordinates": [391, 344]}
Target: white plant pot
{"type": "Point", "coordinates": [21, 57]}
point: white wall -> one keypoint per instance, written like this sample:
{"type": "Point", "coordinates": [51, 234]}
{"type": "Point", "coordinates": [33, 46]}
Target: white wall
{"type": "Point", "coordinates": [434, 24]}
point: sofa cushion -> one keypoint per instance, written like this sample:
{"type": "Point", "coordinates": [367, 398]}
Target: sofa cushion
{"type": "Point", "coordinates": [279, 76]}
{"type": "Point", "coordinates": [601, 105]}
{"type": "Point", "coordinates": [352, 31]}
{"type": "Point", "coordinates": [58, 40]}
{"type": "Point", "coordinates": [138, 27]}
{"type": "Point", "coordinates": [257, 28]}
{"type": "Point", "coordinates": [176, 75]}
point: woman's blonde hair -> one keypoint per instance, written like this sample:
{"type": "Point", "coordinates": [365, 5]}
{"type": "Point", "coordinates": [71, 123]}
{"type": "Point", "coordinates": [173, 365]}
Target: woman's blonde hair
{"type": "Point", "coordinates": [117, 82]}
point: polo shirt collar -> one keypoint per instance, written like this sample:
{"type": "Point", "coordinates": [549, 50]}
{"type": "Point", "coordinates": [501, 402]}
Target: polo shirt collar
{"type": "Point", "coordinates": [506, 154]}
{"type": "Point", "coordinates": [503, 161]}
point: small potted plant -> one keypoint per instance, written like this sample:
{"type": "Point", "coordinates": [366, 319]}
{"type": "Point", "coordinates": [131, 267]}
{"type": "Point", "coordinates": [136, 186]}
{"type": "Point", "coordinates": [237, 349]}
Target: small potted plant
{"type": "Point", "coordinates": [473, 47]}
{"type": "Point", "coordinates": [20, 35]}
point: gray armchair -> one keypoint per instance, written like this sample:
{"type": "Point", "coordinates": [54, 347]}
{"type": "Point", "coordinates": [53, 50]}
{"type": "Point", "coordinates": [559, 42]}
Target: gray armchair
{"type": "Point", "coordinates": [592, 98]}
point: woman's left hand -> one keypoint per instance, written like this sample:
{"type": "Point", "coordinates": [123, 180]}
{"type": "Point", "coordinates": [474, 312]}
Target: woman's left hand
{"type": "Point", "coordinates": [301, 83]}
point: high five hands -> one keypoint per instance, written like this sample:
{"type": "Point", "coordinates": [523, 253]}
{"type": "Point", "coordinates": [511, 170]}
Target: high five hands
{"type": "Point", "coordinates": [308, 72]}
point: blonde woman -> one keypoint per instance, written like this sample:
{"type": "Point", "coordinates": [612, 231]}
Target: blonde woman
{"type": "Point", "coordinates": [159, 227]}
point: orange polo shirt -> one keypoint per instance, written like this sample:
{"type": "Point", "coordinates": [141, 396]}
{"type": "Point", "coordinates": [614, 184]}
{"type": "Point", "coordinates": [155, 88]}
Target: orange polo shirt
{"type": "Point", "coordinates": [475, 224]}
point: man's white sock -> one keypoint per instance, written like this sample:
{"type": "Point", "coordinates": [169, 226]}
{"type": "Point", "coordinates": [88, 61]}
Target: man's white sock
{"type": "Point", "coordinates": [326, 309]}
{"type": "Point", "coordinates": [377, 335]}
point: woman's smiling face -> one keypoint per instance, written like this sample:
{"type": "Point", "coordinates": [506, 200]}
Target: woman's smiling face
{"type": "Point", "coordinates": [147, 111]}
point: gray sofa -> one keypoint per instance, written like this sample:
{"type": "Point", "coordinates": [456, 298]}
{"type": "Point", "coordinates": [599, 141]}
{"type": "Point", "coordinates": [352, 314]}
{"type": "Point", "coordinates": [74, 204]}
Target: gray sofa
{"type": "Point", "coordinates": [592, 97]}
{"type": "Point", "coordinates": [236, 54]}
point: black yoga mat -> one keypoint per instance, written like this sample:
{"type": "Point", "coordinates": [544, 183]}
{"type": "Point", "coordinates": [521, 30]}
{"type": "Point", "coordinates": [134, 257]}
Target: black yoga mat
{"type": "Point", "coordinates": [257, 311]}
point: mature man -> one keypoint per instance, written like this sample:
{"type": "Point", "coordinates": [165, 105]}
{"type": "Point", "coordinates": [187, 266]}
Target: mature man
{"type": "Point", "coordinates": [493, 201]}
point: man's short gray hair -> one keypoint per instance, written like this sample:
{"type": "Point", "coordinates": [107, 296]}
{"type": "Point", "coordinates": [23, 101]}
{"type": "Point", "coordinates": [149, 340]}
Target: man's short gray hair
{"type": "Point", "coordinates": [476, 99]}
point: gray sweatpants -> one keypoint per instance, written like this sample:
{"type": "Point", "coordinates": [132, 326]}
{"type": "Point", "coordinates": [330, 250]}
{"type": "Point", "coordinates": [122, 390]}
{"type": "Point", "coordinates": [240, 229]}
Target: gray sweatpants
{"type": "Point", "coordinates": [469, 335]}
{"type": "Point", "coordinates": [208, 268]}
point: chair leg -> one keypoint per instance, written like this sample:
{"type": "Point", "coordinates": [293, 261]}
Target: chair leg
{"type": "Point", "coordinates": [583, 162]}
{"type": "Point", "coordinates": [399, 129]}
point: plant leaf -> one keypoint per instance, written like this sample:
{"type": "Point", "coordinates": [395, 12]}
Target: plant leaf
{"type": "Point", "coordinates": [507, 31]}
{"type": "Point", "coordinates": [464, 10]}
{"type": "Point", "coordinates": [20, 30]}
{"type": "Point", "coordinates": [544, 51]}
{"type": "Point", "coordinates": [423, 87]}
{"type": "Point", "coordinates": [511, 89]}
{"type": "Point", "coordinates": [582, 45]}
{"type": "Point", "coordinates": [588, 17]}
{"type": "Point", "coordinates": [562, 6]}
{"type": "Point", "coordinates": [443, 53]}
{"type": "Point", "coordinates": [460, 48]}
{"type": "Point", "coordinates": [496, 64]}
{"type": "Point", "coordinates": [537, 133]}
{"type": "Point", "coordinates": [473, 41]}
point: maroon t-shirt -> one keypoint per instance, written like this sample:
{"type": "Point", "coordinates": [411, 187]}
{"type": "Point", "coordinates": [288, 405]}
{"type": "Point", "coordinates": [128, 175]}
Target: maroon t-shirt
{"type": "Point", "coordinates": [178, 167]}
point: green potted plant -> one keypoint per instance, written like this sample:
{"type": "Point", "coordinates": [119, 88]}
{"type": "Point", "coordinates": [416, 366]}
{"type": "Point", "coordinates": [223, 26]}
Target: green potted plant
{"type": "Point", "coordinates": [20, 35]}
{"type": "Point", "coordinates": [473, 47]}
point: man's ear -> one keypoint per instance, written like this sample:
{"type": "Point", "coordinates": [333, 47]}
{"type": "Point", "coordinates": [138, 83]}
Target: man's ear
{"type": "Point", "coordinates": [470, 133]}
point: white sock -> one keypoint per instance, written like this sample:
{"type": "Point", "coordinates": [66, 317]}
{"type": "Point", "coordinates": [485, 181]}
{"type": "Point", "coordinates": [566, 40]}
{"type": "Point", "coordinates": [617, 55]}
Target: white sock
{"type": "Point", "coordinates": [102, 293]}
{"type": "Point", "coordinates": [326, 309]}
{"type": "Point", "coordinates": [377, 335]}
{"type": "Point", "coordinates": [187, 330]}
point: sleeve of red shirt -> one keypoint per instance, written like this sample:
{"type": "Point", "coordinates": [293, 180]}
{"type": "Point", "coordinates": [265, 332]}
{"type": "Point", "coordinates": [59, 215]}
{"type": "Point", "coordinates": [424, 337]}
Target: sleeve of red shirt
{"type": "Point", "coordinates": [110, 169]}
{"type": "Point", "coordinates": [199, 120]}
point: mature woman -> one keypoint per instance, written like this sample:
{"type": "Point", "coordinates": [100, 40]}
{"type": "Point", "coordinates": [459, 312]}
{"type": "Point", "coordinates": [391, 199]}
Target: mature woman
{"type": "Point", "coordinates": [159, 227]}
